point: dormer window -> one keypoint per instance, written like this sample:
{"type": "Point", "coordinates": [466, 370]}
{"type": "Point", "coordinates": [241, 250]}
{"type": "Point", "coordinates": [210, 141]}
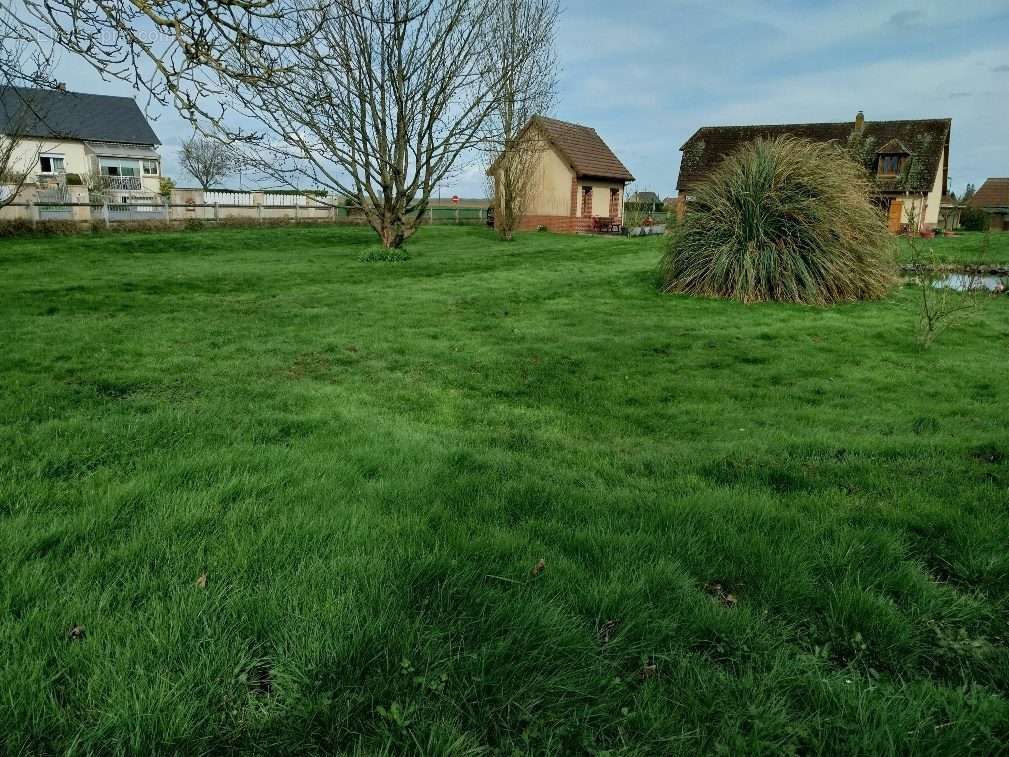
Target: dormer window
{"type": "Point", "coordinates": [891, 165]}
{"type": "Point", "coordinates": [891, 158]}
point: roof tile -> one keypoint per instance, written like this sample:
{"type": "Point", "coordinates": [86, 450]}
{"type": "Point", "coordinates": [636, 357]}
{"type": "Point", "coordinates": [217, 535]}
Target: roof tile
{"type": "Point", "coordinates": [994, 193]}
{"type": "Point", "coordinates": [584, 149]}
{"type": "Point", "coordinates": [925, 137]}
{"type": "Point", "coordinates": [74, 115]}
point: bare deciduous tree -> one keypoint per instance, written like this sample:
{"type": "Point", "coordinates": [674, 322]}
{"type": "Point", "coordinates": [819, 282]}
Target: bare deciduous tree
{"type": "Point", "coordinates": [24, 65]}
{"type": "Point", "coordinates": [940, 307]}
{"type": "Point", "coordinates": [378, 107]}
{"type": "Point", "coordinates": [17, 155]}
{"type": "Point", "coordinates": [523, 38]}
{"type": "Point", "coordinates": [25, 59]}
{"type": "Point", "coordinates": [372, 99]}
{"type": "Point", "coordinates": [206, 160]}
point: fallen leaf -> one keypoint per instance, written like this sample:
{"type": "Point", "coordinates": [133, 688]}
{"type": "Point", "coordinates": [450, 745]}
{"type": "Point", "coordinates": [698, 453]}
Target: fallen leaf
{"type": "Point", "coordinates": [76, 633]}
{"type": "Point", "coordinates": [648, 671]}
{"type": "Point", "coordinates": [608, 630]}
{"type": "Point", "coordinates": [201, 582]}
{"type": "Point", "coordinates": [718, 592]}
{"type": "Point", "coordinates": [538, 568]}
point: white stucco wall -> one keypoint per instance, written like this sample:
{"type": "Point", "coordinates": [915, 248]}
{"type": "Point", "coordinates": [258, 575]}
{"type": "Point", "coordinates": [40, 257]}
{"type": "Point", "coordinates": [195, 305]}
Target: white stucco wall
{"type": "Point", "coordinates": [914, 204]}
{"type": "Point", "coordinates": [75, 158]}
{"type": "Point", "coordinates": [550, 191]}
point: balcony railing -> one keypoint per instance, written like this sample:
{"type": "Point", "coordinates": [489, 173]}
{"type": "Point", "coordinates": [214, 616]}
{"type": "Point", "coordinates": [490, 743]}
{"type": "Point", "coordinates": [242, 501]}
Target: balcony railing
{"type": "Point", "coordinates": [121, 182]}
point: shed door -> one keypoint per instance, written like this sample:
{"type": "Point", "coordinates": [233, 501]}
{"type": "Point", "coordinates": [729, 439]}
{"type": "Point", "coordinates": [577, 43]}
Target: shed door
{"type": "Point", "coordinates": [896, 214]}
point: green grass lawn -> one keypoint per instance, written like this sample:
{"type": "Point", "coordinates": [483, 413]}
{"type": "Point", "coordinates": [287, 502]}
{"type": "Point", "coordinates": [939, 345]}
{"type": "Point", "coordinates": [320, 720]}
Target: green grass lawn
{"type": "Point", "coordinates": [968, 247]}
{"type": "Point", "coordinates": [765, 529]}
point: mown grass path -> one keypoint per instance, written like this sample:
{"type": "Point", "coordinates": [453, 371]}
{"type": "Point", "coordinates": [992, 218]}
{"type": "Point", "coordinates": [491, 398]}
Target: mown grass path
{"type": "Point", "coordinates": [764, 529]}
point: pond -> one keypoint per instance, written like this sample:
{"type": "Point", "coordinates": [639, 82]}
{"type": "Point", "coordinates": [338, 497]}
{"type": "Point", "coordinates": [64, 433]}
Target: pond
{"type": "Point", "coordinates": [964, 282]}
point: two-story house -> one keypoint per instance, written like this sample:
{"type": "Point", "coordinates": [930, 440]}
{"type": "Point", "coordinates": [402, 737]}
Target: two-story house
{"type": "Point", "coordinates": [908, 160]}
{"type": "Point", "coordinates": [105, 141]}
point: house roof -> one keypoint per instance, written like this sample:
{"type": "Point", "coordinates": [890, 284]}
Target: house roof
{"type": "Point", "coordinates": [994, 193]}
{"type": "Point", "coordinates": [922, 138]}
{"type": "Point", "coordinates": [893, 147]}
{"type": "Point", "coordinates": [73, 115]}
{"type": "Point", "coordinates": [644, 197]}
{"type": "Point", "coordinates": [583, 149]}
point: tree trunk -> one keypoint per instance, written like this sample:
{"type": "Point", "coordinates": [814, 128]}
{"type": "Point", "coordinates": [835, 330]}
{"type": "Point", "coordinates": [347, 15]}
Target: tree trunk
{"type": "Point", "coordinates": [392, 237]}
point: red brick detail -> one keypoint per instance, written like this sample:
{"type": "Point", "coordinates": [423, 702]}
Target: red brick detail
{"type": "Point", "coordinates": [556, 224]}
{"type": "Point", "coordinates": [587, 202]}
{"type": "Point", "coordinates": [574, 196]}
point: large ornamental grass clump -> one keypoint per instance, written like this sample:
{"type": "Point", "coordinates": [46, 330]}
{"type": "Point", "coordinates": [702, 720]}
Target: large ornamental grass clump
{"type": "Point", "coordinates": [783, 219]}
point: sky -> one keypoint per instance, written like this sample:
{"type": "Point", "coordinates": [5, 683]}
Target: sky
{"type": "Point", "coordinates": [647, 74]}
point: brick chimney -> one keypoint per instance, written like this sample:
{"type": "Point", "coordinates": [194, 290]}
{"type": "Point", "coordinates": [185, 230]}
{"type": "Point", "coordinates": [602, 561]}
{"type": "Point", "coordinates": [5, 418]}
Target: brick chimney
{"type": "Point", "coordinates": [859, 121]}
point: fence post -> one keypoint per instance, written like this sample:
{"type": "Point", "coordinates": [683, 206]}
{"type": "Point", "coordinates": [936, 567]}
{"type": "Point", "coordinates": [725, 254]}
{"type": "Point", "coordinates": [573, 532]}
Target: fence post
{"type": "Point", "coordinates": [335, 213]}
{"type": "Point", "coordinates": [456, 215]}
{"type": "Point", "coordinates": [259, 211]}
{"type": "Point", "coordinates": [33, 213]}
{"type": "Point", "coordinates": [430, 216]}
{"type": "Point", "coordinates": [105, 212]}
{"type": "Point", "coordinates": [297, 209]}
{"type": "Point", "coordinates": [217, 212]}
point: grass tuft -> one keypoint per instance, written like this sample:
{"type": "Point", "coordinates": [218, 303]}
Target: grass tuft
{"type": "Point", "coordinates": [787, 220]}
{"type": "Point", "coordinates": [384, 255]}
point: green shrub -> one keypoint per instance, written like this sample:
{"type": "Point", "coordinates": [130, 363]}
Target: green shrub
{"type": "Point", "coordinates": [21, 227]}
{"type": "Point", "coordinates": [131, 227]}
{"type": "Point", "coordinates": [784, 219]}
{"type": "Point", "coordinates": [974, 219]}
{"type": "Point", "coordinates": [74, 180]}
{"type": "Point", "coordinates": [383, 255]}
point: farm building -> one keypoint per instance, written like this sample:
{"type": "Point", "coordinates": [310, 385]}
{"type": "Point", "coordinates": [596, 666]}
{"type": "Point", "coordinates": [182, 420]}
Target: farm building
{"type": "Point", "coordinates": [575, 182]}
{"type": "Point", "coordinates": [993, 199]}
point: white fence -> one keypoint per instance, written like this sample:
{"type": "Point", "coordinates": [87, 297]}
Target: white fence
{"type": "Point", "coordinates": [285, 200]}
{"type": "Point", "coordinates": [76, 205]}
{"type": "Point", "coordinates": [243, 199]}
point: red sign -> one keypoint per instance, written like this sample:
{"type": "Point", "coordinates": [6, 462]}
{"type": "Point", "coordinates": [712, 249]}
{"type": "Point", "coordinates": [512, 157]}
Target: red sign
{"type": "Point", "coordinates": [455, 199]}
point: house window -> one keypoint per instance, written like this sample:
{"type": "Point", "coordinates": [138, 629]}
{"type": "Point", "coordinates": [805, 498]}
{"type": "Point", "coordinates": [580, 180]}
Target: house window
{"type": "Point", "coordinates": [150, 168]}
{"type": "Point", "coordinates": [891, 165]}
{"type": "Point", "coordinates": [112, 167]}
{"type": "Point", "coordinates": [51, 164]}
{"type": "Point", "coordinates": [586, 202]}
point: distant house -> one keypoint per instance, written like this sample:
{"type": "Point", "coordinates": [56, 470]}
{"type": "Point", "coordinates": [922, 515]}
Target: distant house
{"type": "Point", "coordinates": [645, 198]}
{"type": "Point", "coordinates": [65, 133]}
{"type": "Point", "coordinates": [576, 177]}
{"type": "Point", "coordinates": [909, 160]}
{"type": "Point", "coordinates": [993, 199]}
